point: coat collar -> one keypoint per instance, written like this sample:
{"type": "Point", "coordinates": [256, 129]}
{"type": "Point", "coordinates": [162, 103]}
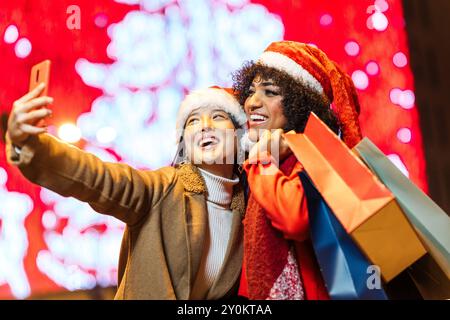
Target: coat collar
{"type": "Point", "coordinates": [191, 178]}
{"type": "Point", "coordinates": [193, 182]}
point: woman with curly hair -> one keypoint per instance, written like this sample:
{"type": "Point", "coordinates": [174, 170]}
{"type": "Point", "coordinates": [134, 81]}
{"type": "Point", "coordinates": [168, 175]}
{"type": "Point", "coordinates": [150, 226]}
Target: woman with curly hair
{"type": "Point", "coordinates": [288, 82]}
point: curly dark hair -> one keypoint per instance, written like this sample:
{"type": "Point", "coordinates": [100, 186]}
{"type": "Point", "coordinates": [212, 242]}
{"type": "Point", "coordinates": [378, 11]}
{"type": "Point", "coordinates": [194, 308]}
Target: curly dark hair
{"type": "Point", "coordinates": [298, 100]}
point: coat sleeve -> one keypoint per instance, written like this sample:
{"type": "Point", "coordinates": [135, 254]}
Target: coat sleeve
{"type": "Point", "coordinates": [110, 188]}
{"type": "Point", "coordinates": [281, 196]}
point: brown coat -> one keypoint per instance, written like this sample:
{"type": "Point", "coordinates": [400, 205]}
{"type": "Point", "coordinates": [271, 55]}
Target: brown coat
{"type": "Point", "coordinates": [164, 210]}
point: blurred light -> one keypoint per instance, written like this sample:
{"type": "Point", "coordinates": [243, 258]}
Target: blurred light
{"type": "Point", "coordinates": [92, 74]}
{"type": "Point", "coordinates": [372, 68]}
{"type": "Point", "coordinates": [3, 176]}
{"type": "Point", "coordinates": [378, 21]}
{"type": "Point", "coordinates": [394, 95]}
{"type": "Point", "coordinates": [128, 1]}
{"type": "Point", "coordinates": [131, 2]}
{"type": "Point", "coordinates": [352, 48]}
{"type": "Point", "coordinates": [404, 135]}
{"type": "Point", "coordinates": [49, 197]}
{"type": "Point", "coordinates": [101, 20]}
{"type": "Point", "coordinates": [111, 51]}
{"type": "Point", "coordinates": [23, 48]}
{"type": "Point", "coordinates": [106, 135]}
{"type": "Point", "coordinates": [400, 60]}
{"type": "Point", "coordinates": [49, 219]}
{"type": "Point", "coordinates": [69, 133]}
{"type": "Point", "coordinates": [69, 276]}
{"type": "Point", "coordinates": [407, 99]}
{"type": "Point", "coordinates": [237, 2]}
{"type": "Point", "coordinates": [360, 79]}
{"type": "Point", "coordinates": [14, 209]}
{"type": "Point", "coordinates": [326, 20]}
{"type": "Point", "coordinates": [395, 159]}
{"type": "Point", "coordinates": [153, 5]}
{"type": "Point", "coordinates": [381, 5]}
{"type": "Point", "coordinates": [11, 34]}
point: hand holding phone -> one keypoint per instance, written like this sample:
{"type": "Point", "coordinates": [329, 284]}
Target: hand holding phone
{"type": "Point", "coordinates": [28, 112]}
{"type": "Point", "coordinates": [40, 73]}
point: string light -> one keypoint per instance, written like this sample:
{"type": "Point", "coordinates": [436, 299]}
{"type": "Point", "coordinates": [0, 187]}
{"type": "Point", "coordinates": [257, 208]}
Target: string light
{"type": "Point", "coordinates": [11, 34]}
{"type": "Point", "coordinates": [69, 133]}
{"type": "Point", "coordinates": [23, 48]}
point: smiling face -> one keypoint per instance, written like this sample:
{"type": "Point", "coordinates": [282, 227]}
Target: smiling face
{"type": "Point", "coordinates": [263, 105]}
{"type": "Point", "coordinates": [209, 137]}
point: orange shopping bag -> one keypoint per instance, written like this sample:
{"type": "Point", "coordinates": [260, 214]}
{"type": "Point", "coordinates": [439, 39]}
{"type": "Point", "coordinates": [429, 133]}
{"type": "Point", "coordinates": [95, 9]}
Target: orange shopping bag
{"type": "Point", "coordinates": [366, 209]}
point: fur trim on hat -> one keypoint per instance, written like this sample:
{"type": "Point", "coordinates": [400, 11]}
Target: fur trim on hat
{"type": "Point", "coordinates": [281, 62]}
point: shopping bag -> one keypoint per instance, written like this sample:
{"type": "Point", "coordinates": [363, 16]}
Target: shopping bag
{"type": "Point", "coordinates": [431, 274]}
{"type": "Point", "coordinates": [346, 271]}
{"type": "Point", "coordinates": [367, 210]}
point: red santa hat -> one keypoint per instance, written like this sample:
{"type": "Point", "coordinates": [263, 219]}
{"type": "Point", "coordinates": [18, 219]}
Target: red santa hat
{"type": "Point", "coordinates": [212, 97]}
{"type": "Point", "coordinates": [311, 67]}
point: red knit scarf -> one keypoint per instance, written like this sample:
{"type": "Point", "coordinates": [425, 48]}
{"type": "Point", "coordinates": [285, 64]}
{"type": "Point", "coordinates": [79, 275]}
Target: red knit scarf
{"type": "Point", "coordinates": [266, 250]}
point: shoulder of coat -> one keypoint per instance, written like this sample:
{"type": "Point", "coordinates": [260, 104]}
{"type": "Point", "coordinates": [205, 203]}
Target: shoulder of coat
{"type": "Point", "coordinates": [191, 178]}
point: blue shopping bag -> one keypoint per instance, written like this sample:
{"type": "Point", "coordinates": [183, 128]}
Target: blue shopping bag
{"type": "Point", "coordinates": [346, 271]}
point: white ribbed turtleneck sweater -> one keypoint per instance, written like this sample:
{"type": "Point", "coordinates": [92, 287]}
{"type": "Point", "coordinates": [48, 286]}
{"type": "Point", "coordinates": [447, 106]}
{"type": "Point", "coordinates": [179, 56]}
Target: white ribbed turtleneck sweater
{"type": "Point", "coordinates": [218, 201]}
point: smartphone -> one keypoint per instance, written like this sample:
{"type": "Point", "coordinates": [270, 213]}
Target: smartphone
{"type": "Point", "coordinates": [40, 73]}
